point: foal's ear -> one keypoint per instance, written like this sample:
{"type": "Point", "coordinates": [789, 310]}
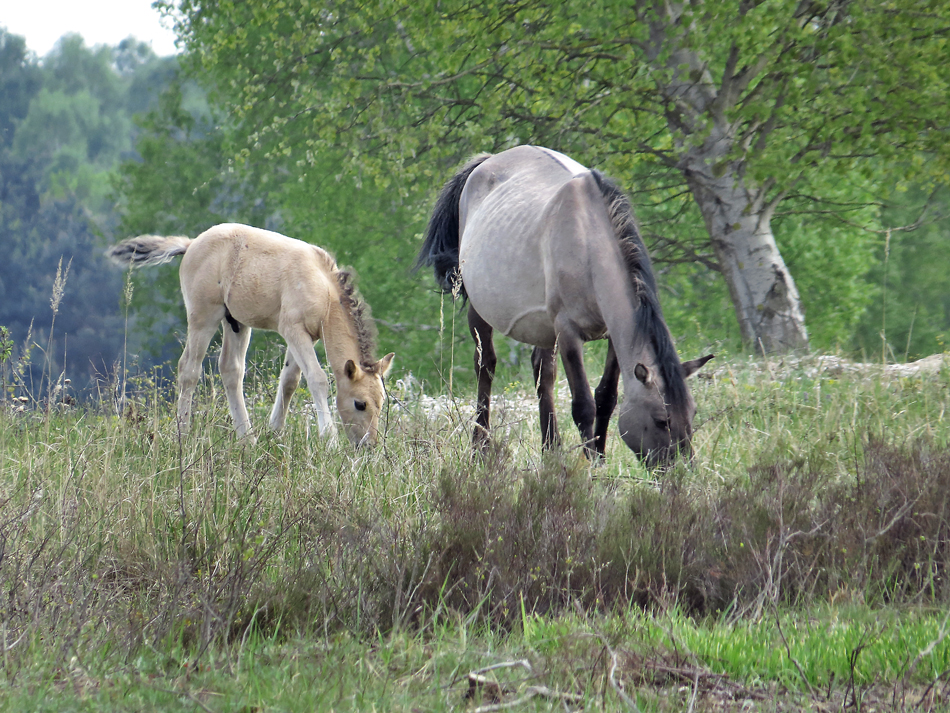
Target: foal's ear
{"type": "Point", "coordinates": [642, 372]}
{"type": "Point", "coordinates": [383, 366]}
{"type": "Point", "coordinates": [349, 369]}
{"type": "Point", "coordinates": [694, 365]}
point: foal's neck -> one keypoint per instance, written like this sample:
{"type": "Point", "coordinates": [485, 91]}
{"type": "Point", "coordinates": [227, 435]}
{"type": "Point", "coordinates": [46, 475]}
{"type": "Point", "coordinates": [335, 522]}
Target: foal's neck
{"type": "Point", "coordinates": [340, 338]}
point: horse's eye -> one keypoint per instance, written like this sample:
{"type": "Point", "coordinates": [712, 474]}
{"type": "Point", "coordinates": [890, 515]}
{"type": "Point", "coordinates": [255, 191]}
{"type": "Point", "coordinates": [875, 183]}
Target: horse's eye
{"type": "Point", "coordinates": [661, 423]}
{"type": "Point", "coordinates": [360, 405]}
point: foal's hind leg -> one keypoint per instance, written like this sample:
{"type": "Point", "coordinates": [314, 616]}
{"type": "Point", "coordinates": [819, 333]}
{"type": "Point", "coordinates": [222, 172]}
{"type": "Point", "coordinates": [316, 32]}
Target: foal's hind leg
{"type": "Point", "coordinates": [289, 380]}
{"type": "Point", "coordinates": [582, 402]}
{"type": "Point", "coordinates": [605, 398]}
{"type": "Point", "coordinates": [201, 329]}
{"type": "Point", "coordinates": [231, 365]}
{"type": "Point", "coordinates": [544, 362]}
{"type": "Point", "coordinates": [485, 373]}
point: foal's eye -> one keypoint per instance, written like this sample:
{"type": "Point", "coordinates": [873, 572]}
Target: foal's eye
{"type": "Point", "coordinates": [360, 405]}
{"type": "Point", "coordinates": [661, 423]}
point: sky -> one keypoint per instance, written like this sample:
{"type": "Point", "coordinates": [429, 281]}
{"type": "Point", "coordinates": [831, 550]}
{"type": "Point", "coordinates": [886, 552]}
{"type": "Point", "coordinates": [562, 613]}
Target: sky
{"type": "Point", "coordinates": [43, 22]}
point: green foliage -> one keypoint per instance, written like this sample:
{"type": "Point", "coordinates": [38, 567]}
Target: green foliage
{"type": "Point", "coordinates": [65, 124]}
{"type": "Point", "coordinates": [911, 310]}
{"type": "Point", "coordinates": [403, 92]}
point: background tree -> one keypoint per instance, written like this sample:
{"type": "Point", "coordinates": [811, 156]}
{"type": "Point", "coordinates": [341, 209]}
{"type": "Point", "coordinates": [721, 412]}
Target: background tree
{"type": "Point", "coordinates": [64, 124]}
{"type": "Point", "coordinates": [752, 109]}
{"type": "Point", "coordinates": [909, 315]}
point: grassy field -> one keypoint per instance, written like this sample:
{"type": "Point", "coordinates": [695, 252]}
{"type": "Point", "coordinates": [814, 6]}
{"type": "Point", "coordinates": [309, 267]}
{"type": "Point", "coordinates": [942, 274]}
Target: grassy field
{"type": "Point", "coordinates": [799, 562]}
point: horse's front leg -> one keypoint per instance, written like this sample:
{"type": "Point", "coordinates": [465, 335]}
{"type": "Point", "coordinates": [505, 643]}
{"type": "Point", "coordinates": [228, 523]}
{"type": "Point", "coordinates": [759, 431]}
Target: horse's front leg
{"type": "Point", "coordinates": [605, 398]}
{"type": "Point", "coordinates": [485, 372]}
{"type": "Point", "coordinates": [582, 402]}
{"type": "Point", "coordinates": [544, 362]}
{"type": "Point", "coordinates": [289, 381]}
{"type": "Point", "coordinates": [231, 365]}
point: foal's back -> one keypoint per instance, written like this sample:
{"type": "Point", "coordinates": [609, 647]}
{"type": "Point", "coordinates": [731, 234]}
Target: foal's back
{"type": "Point", "coordinates": [262, 278]}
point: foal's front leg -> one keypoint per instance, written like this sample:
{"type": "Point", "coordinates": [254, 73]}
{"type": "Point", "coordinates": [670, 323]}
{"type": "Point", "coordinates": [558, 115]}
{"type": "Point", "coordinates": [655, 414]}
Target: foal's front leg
{"type": "Point", "coordinates": [289, 381]}
{"type": "Point", "coordinates": [485, 372]}
{"type": "Point", "coordinates": [300, 346]}
{"type": "Point", "coordinates": [582, 402]}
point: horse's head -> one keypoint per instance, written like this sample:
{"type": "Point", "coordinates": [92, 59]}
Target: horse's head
{"type": "Point", "coordinates": [359, 399]}
{"type": "Point", "coordinates": [650, 426]}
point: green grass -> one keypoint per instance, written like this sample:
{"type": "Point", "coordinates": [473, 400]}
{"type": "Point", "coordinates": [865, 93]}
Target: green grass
{"type": "Point", "coordinates": [799, 560]}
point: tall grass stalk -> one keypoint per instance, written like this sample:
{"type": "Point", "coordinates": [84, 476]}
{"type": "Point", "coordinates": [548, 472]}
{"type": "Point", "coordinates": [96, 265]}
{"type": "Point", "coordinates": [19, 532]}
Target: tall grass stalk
{"type": "Point", "coordinates": [59, 289]}
{"type": "Point", "coordinates": [887, 255]}
{"type": "Point", "coordinates": [126, 303]}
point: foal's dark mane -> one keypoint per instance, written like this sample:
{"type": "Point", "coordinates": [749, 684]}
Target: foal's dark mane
{"type": "Point", "coordinates": [649, 316]}
{"type": "Point", "coordinates": [359, 313]}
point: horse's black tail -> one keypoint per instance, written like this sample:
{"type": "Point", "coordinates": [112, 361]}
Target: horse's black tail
{"type": "Point", "coordinates": [440, 249]}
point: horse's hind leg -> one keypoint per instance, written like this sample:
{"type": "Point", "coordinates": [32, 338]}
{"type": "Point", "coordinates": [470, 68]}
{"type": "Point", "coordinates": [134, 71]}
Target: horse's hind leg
{"type": "Point", "coordinates": [582, 402]}
{"type": "Point", "coordinates": [231, 365]}
{"type": "Point", "coordinates": [289, 380]}
{"type": "Point", "coordinates": [544, 362]}
{"type": "Point", "coordinates": [605, 398]}
{"type": "Point", "coordinates": [485, 373]}
{"type": "Point", "coordinates": [201, 329]}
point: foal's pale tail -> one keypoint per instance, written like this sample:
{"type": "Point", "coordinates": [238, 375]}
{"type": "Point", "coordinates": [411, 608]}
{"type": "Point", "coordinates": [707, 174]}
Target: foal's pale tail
{"type": "Point", "coordinates": [147, 250]}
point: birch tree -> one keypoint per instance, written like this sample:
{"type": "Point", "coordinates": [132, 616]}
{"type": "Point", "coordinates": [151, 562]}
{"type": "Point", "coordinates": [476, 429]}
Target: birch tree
{"type": "Point", "coordinates": [746, 106]}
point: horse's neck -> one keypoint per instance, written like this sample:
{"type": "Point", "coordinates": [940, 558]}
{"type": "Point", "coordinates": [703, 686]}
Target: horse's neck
{"type": "Point", "coordinates": [617, 304]}
{"type": "Point", "coordinates": [340, 338]}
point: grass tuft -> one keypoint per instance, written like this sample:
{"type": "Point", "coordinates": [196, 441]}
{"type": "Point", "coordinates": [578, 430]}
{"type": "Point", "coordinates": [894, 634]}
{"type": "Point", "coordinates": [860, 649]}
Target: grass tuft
{"type": "Point", "coordinates": [129, 555]}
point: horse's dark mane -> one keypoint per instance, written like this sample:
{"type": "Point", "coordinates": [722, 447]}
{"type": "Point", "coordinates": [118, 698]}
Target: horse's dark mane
{"type": "Point", "coordinates": [359, 312]}
{"type": "Point", "coordinates": [440, 249]}
{"type": "Point", "coordinates": [649, 316]}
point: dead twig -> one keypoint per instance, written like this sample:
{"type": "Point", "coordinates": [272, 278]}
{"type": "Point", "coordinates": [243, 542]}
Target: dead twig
{"type": "Point", "coordinates": [788, 651]}
{"type": "Point", "coordinates": [480, 686]}
{"type": "Point", "coordinates": [618, 687]}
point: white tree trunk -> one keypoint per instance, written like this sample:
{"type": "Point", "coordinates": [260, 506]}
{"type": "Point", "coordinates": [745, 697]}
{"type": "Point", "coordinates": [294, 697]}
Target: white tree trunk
{"type": "Point", "coordinates": [762, 289]}
{"type": "Point", "coordinates": [736, 214]}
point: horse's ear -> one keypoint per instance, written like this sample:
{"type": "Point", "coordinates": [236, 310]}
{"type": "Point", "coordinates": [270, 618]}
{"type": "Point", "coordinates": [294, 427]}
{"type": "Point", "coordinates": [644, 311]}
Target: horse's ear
{"type": "Point", "coordinates": [694, 365]}
{"type": "Point", "coordinates": [383, 366]}
{"type": "Point", "coordinates": [349, 369]}
{"type": "Point", "coordinates": [642, 372]}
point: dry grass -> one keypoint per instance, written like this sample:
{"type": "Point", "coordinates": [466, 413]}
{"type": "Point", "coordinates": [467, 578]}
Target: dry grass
{"type": "Point", "coordinates": [118, 540]}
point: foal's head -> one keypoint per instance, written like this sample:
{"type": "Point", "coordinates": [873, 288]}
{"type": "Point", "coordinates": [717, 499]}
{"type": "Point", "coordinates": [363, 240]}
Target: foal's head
{"type": "Point", "coordinates": [359, 399]}
{"type": "Point", "coordinates": [650, 425]}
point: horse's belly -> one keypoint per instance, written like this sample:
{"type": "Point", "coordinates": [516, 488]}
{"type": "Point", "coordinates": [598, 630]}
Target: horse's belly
{"type": "Point", "coordinates": [533, 327]}
{"type": "Point", "coordinates": [502, 265]}
{"type": "Point", "coordinates": [516, 308]}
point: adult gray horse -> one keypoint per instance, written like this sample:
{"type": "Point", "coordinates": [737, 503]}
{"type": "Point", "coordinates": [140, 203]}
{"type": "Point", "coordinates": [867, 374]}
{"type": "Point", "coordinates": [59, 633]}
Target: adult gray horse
{"type": "Point", "coordinates": [547, 252]}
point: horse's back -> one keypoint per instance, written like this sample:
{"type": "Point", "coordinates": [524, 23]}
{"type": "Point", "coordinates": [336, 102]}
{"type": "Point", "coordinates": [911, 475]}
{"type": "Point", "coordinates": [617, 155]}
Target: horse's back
{"type": "Point", "coordinates": [523, 242]}
{"type": "Point", "coordinates": [256, 274]}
